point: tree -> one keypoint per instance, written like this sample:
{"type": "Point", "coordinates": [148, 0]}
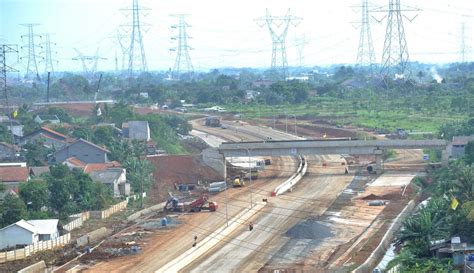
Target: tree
{"type": "Point", "coordinates": [469, 153]}
{"type": "Point", "coordinates": [14, 209]}
{"type": "Point", "coordinates": [139, 173]}
{"type": "Point", "coordinates": [36, 153]}
{"type": "Point", "coordinates": [35, 194]}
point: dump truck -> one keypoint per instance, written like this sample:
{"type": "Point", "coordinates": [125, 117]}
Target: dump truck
{"type": "Point", "coordinates": [197, 205]}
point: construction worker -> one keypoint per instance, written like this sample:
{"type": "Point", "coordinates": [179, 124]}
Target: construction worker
{"type": "Point", "coordinates": [250, 226]}
{"type": "Point", "coordinates": [346, 171]}
{"type": "Point", "coordinates": [195, 240]}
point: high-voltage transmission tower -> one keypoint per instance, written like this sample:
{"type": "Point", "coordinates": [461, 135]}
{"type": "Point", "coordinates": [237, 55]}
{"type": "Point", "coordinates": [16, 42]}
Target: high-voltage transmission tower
{"type": "Point", "coordinates": [183, 60]}
{"type": "Point", "coordinates": [395, 57]}
{"type": "Point", "coordinates": [300, 43]}
{"type": "Point", "coordinates": [48, 54]}
{"type": "Point", "coordinates": [365, 51]}
{"type": "Point", "coordinates": [32, 65]}
{"type": "Point", "coordinates": [463, 47]}
{"type": "Point", "coordinates": [278, 28]}
{"type": "Point", "coordinates": [136, 51]}
{"type": "Point", "coordinates": [4, 69]}
{"type": "Point", "coordinates": [89, 63]}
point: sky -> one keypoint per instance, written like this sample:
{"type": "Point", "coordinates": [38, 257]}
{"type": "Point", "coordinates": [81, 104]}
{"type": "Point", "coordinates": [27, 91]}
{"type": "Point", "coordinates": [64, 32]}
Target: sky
{"type": "Point", "coordinates": [225, 33]}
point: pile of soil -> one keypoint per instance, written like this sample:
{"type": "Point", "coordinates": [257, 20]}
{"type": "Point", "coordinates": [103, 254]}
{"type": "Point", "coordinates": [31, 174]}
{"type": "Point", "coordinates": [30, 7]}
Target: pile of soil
{"type": "Point", "coordinates": [177, 169]}
{"type": "Point", "coordinates": [309, 229]}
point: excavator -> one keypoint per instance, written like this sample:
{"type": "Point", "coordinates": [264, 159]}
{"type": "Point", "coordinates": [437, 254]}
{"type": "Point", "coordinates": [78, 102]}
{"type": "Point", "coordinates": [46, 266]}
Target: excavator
{"type": "Point", "coordinates": [197, 205]}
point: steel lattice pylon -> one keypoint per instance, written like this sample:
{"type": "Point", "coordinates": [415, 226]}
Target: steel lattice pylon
{"type": "Point", "coordinates": [278, 27]}
{"type": "Point", "coordinates": [395, 56]}
{"type": "Point", "coordinates": [136, 51]}
{"type": "Point", "coordinates": [48, 59]}
{"type": "Point", "coordinates": [183, 58]}
{"type": "Point", "coordinates": [365, 52]}
{"type": "Point", "coordinates": [32, 65]}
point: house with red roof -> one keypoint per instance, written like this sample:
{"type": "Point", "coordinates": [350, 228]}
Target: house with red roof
{"type": "Point", "coordinates": [13, 176]}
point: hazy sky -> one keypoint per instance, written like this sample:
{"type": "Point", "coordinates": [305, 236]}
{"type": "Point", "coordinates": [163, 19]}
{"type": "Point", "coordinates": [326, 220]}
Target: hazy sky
{"type": "Point", "coordinates": [224, 33]}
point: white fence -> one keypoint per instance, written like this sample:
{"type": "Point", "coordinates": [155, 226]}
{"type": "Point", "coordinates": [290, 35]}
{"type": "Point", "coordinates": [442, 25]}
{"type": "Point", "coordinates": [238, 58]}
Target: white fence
{"type": "Point", "coordinates": [78, 221]}
{"type": "Point", "coordinates": [102, 214]}
{"type": "Point", "coordinates": [29, 250]}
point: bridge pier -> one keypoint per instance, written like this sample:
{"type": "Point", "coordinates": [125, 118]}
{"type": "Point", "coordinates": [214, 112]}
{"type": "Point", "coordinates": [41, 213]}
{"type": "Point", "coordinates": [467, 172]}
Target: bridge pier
{"type": "Point", "coordinates": [444, 157]}
{"type": "Point", "coordinates": [378, 161]}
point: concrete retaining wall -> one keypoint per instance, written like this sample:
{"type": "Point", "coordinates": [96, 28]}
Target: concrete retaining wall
{"type": "Point", "coordinates": [291, 182]}
{"type": "Point", "coordinates": [142, 212]}
{"type": "Point", "coordinates": [384, 244]}
{"type": "Point", "coordinates": [39, 267]}
{"type": "Point", "coordinates": [210, 241]}
{"type": "Point", "coordinates": [93, 236]}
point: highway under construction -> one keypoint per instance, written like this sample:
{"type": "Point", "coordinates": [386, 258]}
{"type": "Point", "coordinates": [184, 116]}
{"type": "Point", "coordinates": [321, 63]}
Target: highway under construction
{"type": "Point", "coordinates": [325, 221]}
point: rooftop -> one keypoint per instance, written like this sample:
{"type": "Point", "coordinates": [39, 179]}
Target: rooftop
{"type": "Point", "coordinates": [14, 174]}
{"type": "Point", "coordinates": [107, 176]}
{"type": "Point", "coordinates": [23, 224]}
{"type": "Point", "coordinates": [45, 226]}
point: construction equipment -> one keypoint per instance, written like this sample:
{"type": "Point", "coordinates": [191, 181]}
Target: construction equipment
{"type": "Point", "coordinates": [238, 181]}
{"type": "Point", "coordinates": [201, 203]}
{"type": "Point", "coordinates": [213, 121]}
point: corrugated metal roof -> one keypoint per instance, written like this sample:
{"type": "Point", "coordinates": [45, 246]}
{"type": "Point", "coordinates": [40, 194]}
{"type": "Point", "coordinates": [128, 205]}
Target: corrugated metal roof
{"type": "Point", "coordinates": [45, 226]}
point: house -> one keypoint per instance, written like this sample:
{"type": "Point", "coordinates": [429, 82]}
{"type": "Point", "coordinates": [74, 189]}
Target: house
{"type": "Point", "coordinates": [454, 250]}
{"type": "Point", "coordinates": [37, 171]}
{"type": "Point", "coordinates": [73, 162]}
{"type": "Point", "coordinates": [13, 126]}
{"type": "Point", "coordinates": [456, 148]}
{"type": "Point", "coordinates": [251, 94]}
{"type": "Point", "coordinates": [13, 176]}
{"type": "Point", "coordinates": [49, 138]}
{"type": "Point", "coordinates": [29, 232]}
{"type": "Point", "coordinates": [138, 130]}
{"type": "Point", "coordinates": [7, 151]}
{"type": "Point", "coordinates": [53, 119]}
{"type": "Point", "coordinates": [84, 151]}
{"type": "Point", "coordinates": [113, 178]}
{"type": "Point", "coordinates": [47, 228]}
{"type": "Point", "coordinates": [262, 83]}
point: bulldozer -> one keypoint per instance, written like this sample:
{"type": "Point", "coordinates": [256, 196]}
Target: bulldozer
{"type": "Point", "coordinates": [238, 181]}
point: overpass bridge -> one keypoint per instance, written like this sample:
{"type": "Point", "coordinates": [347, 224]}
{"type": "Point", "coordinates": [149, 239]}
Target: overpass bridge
{"type": "Point", "coordinates": [327, 147]}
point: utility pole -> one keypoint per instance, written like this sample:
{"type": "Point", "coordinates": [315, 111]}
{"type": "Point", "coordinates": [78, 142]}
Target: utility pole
{"type": "Point", "coordinates": [395, 57]}
{"type": "Point", "coordinates": [89, 63]}
{"type": "Point", "coordinates": [5, 68]}
{"type": "Point", "coordinates": [278, 27]}
{"type": "Point", "coordinates": [32, 66]}
{"type": "Point", "coordinates": [365, 51]}
{"type": "Point", "coordinates": [136, 51]}
{"type": "Point", "coordinates": [48, 60]}
{"type": "Point", "coordinates": [182, 49]}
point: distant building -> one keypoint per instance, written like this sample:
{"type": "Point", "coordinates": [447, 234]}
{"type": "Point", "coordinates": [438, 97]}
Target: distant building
{"type": "Point", "coordinates": [136, 130]}
{"type": "Point", "coordinates": [115, 179]}
{"type": "Point", "coordinates": [251, 94]}
{"type": "Point", "coordinates": [13, 126]}
{"type": "Point", "coordinates": [261, 83]}
{"type": "Point", "coordinates": [24, 233]}
{"type": "Point", "coordinates": [37, 171]}
{"type": "Point", "coordinates": [84, 151]}
{"type": "Point", "coordinates": [144, 95]}
{"type": "Point", "coordinates": [7, 151]}
{"type": "Point", "coordinates": [13, 176]}
{"type": "Point", "coordinates": [53, 119]}
{"type": "Point", "coordinates": [298, 78]}
{"type": "Point", "coordinates": [457, 147]}
{"type": "Point", "coordinates": [49, 138]}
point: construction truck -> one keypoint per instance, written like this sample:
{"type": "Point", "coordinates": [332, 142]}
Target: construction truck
{"type": "Point", "coordinates": [197, 205]}
{"type": "Point", "coordinates": [213, 121]}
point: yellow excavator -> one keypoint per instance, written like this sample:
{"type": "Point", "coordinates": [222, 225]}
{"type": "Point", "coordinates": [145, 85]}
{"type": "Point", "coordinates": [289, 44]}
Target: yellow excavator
{"type": "Point", "coordinates": [238, 181]}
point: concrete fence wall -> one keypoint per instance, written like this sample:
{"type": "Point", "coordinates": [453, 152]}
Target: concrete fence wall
{"type": "Point", "coordinates": [78, 220]}
{"type": "Point", "coordinates": [384, 244]}
{"type": "Point", "coordinates": [102, 214]}
{"type": "Point", "coordinates": [29, 250]}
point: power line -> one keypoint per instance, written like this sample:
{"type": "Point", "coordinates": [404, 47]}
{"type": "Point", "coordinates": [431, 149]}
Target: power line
{"type": "Point", "coordinates": [278, 27]}
{"type": "Point", "coordinates": [365, 51]}
{"type": "Point", "coordinates": [136, 51]}
{"type": "Point", "coordinates": [463, 47]}
{"type": "Point", "coordinates": [32, 66]}
{"type": "Point", "coordinates": [182, 49]}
